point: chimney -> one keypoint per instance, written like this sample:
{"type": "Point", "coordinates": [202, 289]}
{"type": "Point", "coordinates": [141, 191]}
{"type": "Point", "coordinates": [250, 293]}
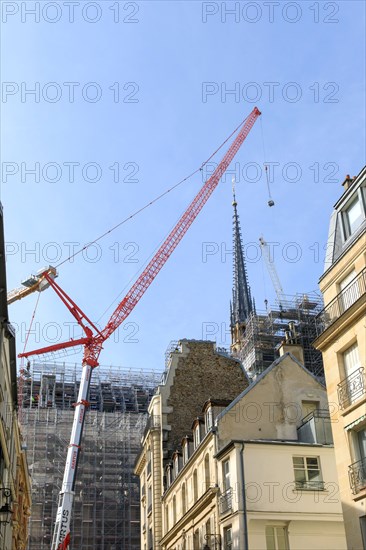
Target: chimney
{"type": "Point", "coordinates": [291, 343]}
{"type": "Point", "coordinates": [347, 182]}
{"type": "Point", "coordinates": [296, 350]}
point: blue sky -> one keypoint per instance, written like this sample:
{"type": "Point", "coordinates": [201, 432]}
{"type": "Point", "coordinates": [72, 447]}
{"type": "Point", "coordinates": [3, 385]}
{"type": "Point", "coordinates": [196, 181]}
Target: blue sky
{"type": "Point", "coordinates": [173, 65]}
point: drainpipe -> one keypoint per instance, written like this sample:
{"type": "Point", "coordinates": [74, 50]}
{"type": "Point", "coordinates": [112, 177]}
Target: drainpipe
{"type": "Point", "coordinates": [246, 544]}
{"type": "Point", "coordinates": [217, 522]}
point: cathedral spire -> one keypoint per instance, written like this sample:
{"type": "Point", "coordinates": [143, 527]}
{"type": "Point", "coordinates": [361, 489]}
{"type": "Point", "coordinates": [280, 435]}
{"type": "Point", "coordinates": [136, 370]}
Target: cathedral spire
{"type": "Point", "coordinates": [242, 303]}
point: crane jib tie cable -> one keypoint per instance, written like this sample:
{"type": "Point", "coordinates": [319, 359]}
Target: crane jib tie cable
{"type": "Point", "coordinates": [156, 198]}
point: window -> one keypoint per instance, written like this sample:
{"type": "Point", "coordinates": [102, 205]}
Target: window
{"type": "Point", "coordinates": [174, 510]}
{"type": "Point", "coordinates": [184, 499]}
{"type": "Point", "coordinates": [228, 538]}
{"type": "Point", "coordinates": [196, 540]}
{"type": "Point", "coordinates": [149, 500]}
{"type": "Point", "coordinates": [176, 465]}
{"type": "Point", "coordinates": [197, 436]}
{"type": "Point", "coordinates": [208, 419]}
{"type": "Point", "coordinates": [307, 473]}
{"type": "Point", "coordinates": [226, 475]}
{"type": "Point", "coordinates": [352, 387]}
{"type": "Point", "coordinates": [207, 472]}
{"type": "Point", "coordinates": [309, 407]}
{"type": "Point", "coordinates": [186, 451]}
{"type": "Point", "coordinates": [363, 530]}
{"type": "Point", "coordinates": [166, 518]}
{"type": "Point", "coordinates": [195, 486]}
{"type": "Point", "coordinates": [351, 360]}
{"type": "Point", "coordinates": [169, 475]}
{"type": "Point", "coordinates": [361, 439]}
{"type": "Point", "coordinates": [352, 217]}
{"type": "Point", "coordinates": [150, 540]}
{"type": "Point", "coordinates": [349, 292]}
{"type": "Point", "coordinates": [357, 470]}
{"type": "Point", "coordinates": [276, 538]}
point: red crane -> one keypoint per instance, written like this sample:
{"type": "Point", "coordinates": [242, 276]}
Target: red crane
{"type": "Point", "coordinates": [94, 338]}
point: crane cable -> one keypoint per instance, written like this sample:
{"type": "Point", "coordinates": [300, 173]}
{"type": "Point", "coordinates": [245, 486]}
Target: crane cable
{"type": "Point", "coordinates": [31, 323]}
{"type": "Point", "coordinates": [21, 373]}
{"type": "Point", "coordinates": [154, 200]}
{"type": "Point", "coordinates": [265, 166]}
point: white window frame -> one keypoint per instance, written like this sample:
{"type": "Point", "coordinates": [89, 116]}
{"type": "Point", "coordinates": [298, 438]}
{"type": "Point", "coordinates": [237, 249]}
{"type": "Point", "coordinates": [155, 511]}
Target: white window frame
{"type": "Point", "coordinates": [228, 541]}
{"type": "Point", "coordinates": [308, 484]}
{"type": "Point", "coordinates": [197, 435]}
{"type": "Point", "coordinates": [276, 545]}
{"type": "Point", "coordinates": [209, 419]}
{"type": "Point", "coordinates": [226, 474]}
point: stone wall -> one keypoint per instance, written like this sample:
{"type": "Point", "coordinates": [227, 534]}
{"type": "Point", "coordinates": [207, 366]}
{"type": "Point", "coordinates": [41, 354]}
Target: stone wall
{"type": "Point", "coordinates": [201, 373]}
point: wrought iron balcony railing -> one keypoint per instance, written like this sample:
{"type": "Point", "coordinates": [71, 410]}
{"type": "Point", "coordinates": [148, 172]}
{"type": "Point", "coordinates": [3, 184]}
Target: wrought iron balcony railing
{"type": "Point", "coordinates": [226, 501]}
{"type": "Point", "coordinates": [309, 485]}
{"type": "Point", "coordinates": [341, 303]}
{"type": "Point", "coordinates": [352, 388]}
{"type": "Point", "coordinates": [357, 475]}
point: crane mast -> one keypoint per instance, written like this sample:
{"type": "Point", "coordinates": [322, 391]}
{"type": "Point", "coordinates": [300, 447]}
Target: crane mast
{"type": "Point", "coordinates": [94, 339]}
{"type": "Point", "coordinates": [272, 272]}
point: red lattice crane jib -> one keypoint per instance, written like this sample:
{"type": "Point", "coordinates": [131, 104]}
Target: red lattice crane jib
{"type": "Point", "coordinates": [94, 339]}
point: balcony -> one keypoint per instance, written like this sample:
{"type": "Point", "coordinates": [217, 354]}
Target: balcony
{"type": "Point", "coordinates": [357, 475]}
{"type": "Point", "coordinates": [226, 501]}
{"type": "Point", "coordinates": [153, 423]}
{"type": "Point", "coordinates": [341, 303]}
{"type": "Point", "coordinates": [352, 388]}
{"type": "Point", "coordinates": [316, 428]}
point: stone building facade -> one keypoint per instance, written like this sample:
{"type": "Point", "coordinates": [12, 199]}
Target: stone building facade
{"type": "Point", "coordinates": [254, 471]}
{"type": "Point", "coordinates": [196, 372]}
{"type": "Point", "coordinates": [342, 340]}
{"type": "Point", "coordinates": [15, 499]}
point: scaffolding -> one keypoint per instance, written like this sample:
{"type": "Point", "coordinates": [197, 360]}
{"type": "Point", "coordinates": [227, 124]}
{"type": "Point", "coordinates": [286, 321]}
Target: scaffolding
{"type": "Point", "coordinates": [106, 514]}
{"type": "Point", "coordinates": [264, 331]}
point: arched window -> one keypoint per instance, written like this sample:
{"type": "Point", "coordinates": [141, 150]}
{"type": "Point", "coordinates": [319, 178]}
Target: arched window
{"type": "Point", "coordinates": [207, 472]}
{"type": "Point", "coordinates": [195, 486]}
{"type": "Point", "coordinates": [166, 519]}
{"type": "Point", "coordinates": [174, 510]}
{"type": "Point", "coordinates": [184, 499]}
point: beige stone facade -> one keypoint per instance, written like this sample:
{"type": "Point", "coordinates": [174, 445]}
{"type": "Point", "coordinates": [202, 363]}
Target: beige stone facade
{"type": "Point", "coordinates": [14, 475]}
{"type": "Point", "coordinates": [342, 340]}
{"type": "Point", "coordinates": [196, 372]}
{"type": "Point", "coordinates": [257, 471]}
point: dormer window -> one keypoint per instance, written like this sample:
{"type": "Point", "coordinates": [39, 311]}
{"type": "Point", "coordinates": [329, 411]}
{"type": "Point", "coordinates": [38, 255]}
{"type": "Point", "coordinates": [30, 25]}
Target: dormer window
{"type": "Point", "coordinates": [354, 213]}
{"type": "Point", "coordinates": [208, 419]}
{"type": "Point", "coordinates": [197, 435]}
{"type": "Point", "coordinates": [352, 217]}
{"type": "Point", "coordinates": [169, 475]}
{"type": "Point", "coordinates": [176, 465]}
{"type": "Point", "coordinates": [186, 448]}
